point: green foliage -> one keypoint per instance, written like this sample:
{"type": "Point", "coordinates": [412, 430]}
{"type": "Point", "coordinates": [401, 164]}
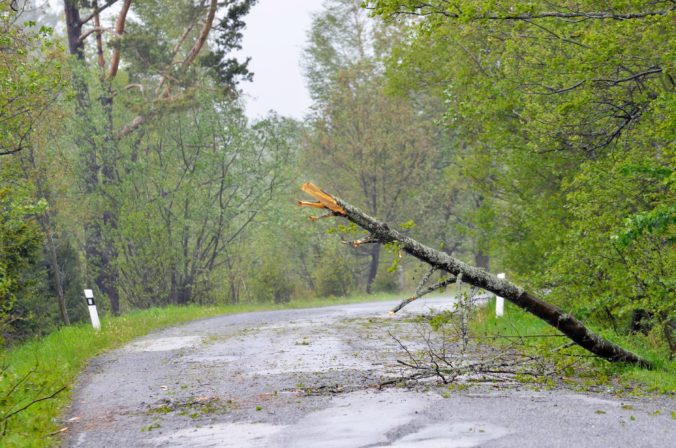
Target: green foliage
{"type": "Point", "coordinates": [334, 276]}
{"type": "Point", "coordinates": [20, 243]}
{"type": "Point", "coordinates": [205, 178]}
{"type": "Point", "coordinates": [31, 78]}
{"type": "Point", "coordinates": [407, 225]}
{"type": "Point", "coordinates": [653, 221]}
{"type": "Point", "coordinates": [272, 282]}
{"type": "Point", "coordinates": [563, 129]}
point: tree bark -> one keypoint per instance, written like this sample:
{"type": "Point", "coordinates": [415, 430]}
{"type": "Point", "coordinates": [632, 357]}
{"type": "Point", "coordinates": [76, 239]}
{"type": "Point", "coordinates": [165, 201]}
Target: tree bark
{"type": "Point", "coordinates": [56, 271]}
{"type": "Point", "coordinates": [482, 260]}
{"type": "Point", "coordinates": [73, 28]}
{"type": "Point", "coordinates": [45, 220]}
{"type": "Point", "coordinates": [557, 318]}
{"type": "Point", "coordinates": [119, 30]}
{"type": "Point", "coordinates": [373, 268]}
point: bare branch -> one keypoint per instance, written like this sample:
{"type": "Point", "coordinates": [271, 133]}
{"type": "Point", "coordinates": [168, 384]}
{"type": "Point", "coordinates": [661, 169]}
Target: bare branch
{"type": "Point", "coordinates": [119, 29]}
{"type": "Point", "coordinates": [614, 82]}
{"type": "Point", "coordinates": [427, 290]}
{"type": "Point", "coordinates": [131, 127]}
{"type": "Point", "coordinates": [368, 240]}
{"type": "Point", "coordinates": [576, 15]}
{"type": "Point", "coordinates": [5, 418]}
{"type": "Point", "coordinates": [97, 30]}
{"type": "Point", "coordinates": [177, 47]}
{"type": "Point", "coordinates": [424, 9]}
{"type": "Point", "coordinates": [108, 4]}
{"type": "Point", "coordinates": [552, 91]}
{"type": "Point", "coordinates": [99, 37]}
{"type": "Point", "coordinates": [194, 51]}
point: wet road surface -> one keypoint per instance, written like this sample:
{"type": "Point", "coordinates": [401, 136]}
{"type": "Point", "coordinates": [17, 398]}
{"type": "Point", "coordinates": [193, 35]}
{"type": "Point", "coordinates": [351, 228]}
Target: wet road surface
{"type": "Point", "coordinates": [308, 378]}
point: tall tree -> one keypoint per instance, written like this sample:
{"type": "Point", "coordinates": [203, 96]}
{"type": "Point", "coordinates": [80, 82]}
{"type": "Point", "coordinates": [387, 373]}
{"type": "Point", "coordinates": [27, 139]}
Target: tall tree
{"type": "Point", "coordinates": [33, 78]}
{"type": "Point", "coordinates": [161, 47]}
{"type": "Point", "coordinates": [361, 140]}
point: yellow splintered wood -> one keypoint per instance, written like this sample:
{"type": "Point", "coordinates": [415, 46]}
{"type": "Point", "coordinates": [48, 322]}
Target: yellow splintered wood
{"type": "Point", "coordinates": [326, 201]}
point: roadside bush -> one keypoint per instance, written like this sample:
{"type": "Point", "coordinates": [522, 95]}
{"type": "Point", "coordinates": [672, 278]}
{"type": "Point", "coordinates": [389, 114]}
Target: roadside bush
{"type": "Point", "coordinates": [272, 283]}
{"type": "Point", "coordinates": [333, 276]}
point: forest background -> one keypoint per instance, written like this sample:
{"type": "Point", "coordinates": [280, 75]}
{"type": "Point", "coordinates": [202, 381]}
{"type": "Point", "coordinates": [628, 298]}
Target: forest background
{"type": "Point", "coordinates": [524, 137]}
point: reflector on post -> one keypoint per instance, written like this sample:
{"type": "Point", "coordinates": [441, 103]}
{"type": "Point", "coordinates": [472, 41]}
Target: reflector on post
{"type": "Point", "coordinates": [91, 305]}
{"type": "Point", "coordinates": [499, 301]}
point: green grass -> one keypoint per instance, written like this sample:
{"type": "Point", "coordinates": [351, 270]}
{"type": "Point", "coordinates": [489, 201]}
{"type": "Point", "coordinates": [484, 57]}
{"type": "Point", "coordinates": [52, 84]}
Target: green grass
{"type": "Point", "coordinates": [574, 363]}
{"type": "Point", "coordinates": [56, 360]}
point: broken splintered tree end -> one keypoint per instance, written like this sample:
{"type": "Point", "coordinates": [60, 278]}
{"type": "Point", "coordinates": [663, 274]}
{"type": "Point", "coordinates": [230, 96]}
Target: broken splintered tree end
{"type": "Point", "coordinates": [324, 200]}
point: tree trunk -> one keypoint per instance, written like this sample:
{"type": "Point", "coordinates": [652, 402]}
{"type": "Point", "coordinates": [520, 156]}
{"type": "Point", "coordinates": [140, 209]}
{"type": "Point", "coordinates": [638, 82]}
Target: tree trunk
{"type": "Point", "coordinates": [641, 321]}
{"type": "Point", "coordinates": [564, 322]}
{"type": "Point", "coordinates": [373, 268]}
{"type": "Point", "coordinates": [99, 170]}
{"type": "Point", "coordinates": [73, 28]}
{"type": "Point", "coordinates": [234, 292]}
{"type": "Point", "coordinates": [482, 260]}
{"type": "Point", "coordinates": [47, 226]}
{"type": "Point", "coordinates": [56, 271]}
{"type": "Point", "coordinates": [184, 291]}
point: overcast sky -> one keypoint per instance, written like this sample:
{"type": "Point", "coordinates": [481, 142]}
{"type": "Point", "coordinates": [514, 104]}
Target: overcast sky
{"type": "Point", "coordinates": [275, 34]}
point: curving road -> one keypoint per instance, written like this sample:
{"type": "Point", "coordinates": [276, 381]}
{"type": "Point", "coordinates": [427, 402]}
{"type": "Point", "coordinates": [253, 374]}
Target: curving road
{"type": "Point", "coordinates": [306, 378]}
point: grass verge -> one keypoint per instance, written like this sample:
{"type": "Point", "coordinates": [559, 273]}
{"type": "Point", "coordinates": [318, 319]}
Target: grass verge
{"type": "Point", "coordinates": [577, 366]}
{"type": "Point", "coordinates": [40, 367]}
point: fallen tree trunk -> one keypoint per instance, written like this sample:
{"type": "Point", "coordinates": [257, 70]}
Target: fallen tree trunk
{"type": "Point", "coordinates": [380, 232]}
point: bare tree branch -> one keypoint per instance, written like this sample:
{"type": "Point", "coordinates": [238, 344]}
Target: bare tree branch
{"type": "Point", "coordinates": [614, 82]}
{"type": "Point", "coordinates": [98, 30]}
{"type": "Point", "coordinates": [423, 9]}
{"type": "Point", "coordinates": [552, 91]}
{"type": "Point", "coordinates": [119, 30]}
{"type": "Point", "coordinates": [422, 292]}
{"type": "Point", "coordinates": [108, 4]}
{"type": "Point", "coordinates": [557, 318]}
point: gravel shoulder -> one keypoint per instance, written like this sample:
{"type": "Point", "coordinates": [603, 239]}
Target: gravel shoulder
{"type": "Point", "coordinates": [310, 378]}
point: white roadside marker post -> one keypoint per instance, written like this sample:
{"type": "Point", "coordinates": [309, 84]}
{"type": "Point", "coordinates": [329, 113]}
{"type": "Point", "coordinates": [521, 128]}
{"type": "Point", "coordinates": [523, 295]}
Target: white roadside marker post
{"type": "Point", "coordinates": [500, 301]}
{"type": "Point", "coordinates": [89, 295]}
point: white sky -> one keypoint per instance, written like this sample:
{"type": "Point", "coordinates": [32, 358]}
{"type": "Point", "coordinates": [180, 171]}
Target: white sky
{"type": "Point", "coordinates": [276, 32]}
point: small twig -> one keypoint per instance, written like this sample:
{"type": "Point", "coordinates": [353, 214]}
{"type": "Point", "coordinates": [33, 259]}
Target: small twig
{"type": "Point", "coordinates": [368, 240]}
{"type": "Point", "coordinates": [614, 82]}
{"type": "Point", "coordinates": [6, 418]}
{"type": "Point", "coordinates": [423, 281]}
{"type": "Point", "coordinates": [403, 347]}
{"type": "Point", "coordinates": [552, 91]}
{"type": "Point", "coordinates": [562, 347]}
{"type": "Point", "coordinates": [501, 336]}
{"type": "Point", "coordinates": [397, 380]}
{"type": "Point", "coordinates": [324, 216]}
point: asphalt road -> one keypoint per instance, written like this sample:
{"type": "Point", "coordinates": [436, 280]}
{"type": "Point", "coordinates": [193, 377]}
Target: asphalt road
{"type": "Point", "coordinates": [307, 378]}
